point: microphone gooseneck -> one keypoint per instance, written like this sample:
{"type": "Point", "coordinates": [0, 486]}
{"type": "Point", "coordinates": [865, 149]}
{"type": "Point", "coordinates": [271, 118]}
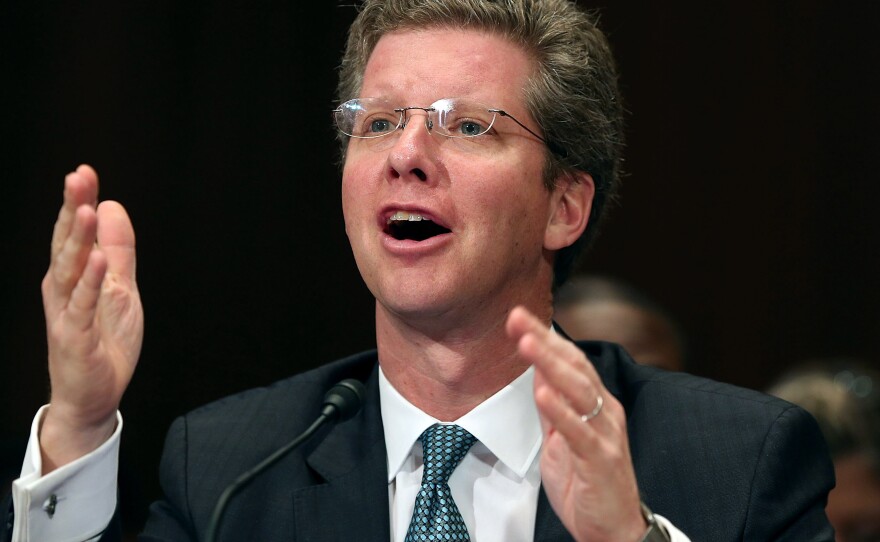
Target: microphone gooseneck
{"type": "Point", "coordinates": [341, 402]}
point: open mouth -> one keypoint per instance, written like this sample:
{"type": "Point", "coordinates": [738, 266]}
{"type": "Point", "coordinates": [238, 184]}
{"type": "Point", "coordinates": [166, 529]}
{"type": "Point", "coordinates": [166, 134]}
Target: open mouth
{"type": "Point", "coordinates": [412, 226]}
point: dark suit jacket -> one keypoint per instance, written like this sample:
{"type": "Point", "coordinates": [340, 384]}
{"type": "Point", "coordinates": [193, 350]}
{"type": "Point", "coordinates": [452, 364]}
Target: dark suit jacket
{"type": "Point", "coordinates": [721, 462]}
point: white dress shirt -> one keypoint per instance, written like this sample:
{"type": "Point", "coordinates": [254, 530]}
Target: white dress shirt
{"type": "Point", "coordinates": [496, 484]}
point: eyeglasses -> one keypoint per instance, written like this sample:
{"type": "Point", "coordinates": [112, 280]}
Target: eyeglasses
{"type": "Point", "coordinates": [371, 118]}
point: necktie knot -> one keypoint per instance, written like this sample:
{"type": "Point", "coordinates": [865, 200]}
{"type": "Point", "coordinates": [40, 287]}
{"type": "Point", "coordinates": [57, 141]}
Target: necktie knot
{"type": "Point", "coordinates": [435, 515]}
{"type": "Point", "coordinates": [444, 447]}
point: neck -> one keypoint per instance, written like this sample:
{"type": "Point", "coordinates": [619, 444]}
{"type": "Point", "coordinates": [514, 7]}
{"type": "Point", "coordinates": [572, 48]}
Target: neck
{"type": "Point", "coordinates": [447, 370]}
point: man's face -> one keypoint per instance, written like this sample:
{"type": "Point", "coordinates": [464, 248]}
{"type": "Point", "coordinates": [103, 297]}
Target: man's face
{"type": "Point", "coordinates": [486, 198]}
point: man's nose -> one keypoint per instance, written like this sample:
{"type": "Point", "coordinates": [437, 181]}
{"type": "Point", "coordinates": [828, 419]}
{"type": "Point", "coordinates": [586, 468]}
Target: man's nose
{"type": "Point", "coordinates": [413, 154]}
{"type": "Point", "coordinates": [417, 128]}
{"type": "Point", "coordinates": [419, 116]}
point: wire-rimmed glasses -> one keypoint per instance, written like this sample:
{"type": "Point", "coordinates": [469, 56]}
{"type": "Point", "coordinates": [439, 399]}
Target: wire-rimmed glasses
{"type": "Point", "coordinates": [371, 118]}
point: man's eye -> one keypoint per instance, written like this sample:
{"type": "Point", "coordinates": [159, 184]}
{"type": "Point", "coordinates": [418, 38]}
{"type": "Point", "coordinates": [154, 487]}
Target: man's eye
{"type": "Point", "coordinates": [375, 124]}
{"type": "Point", "coordinates": [380, 126]}
{"type": "Point", "coordinates": [471, 128]}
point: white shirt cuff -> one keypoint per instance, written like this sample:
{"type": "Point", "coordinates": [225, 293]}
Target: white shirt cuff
{"type": "Point", "coordinates": [674, 534]}
{"type": "Point", "coordinates": [72, 503]}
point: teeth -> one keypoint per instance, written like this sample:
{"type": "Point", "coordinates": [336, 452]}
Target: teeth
{"type": "Point", "coordinates": [402, 216]}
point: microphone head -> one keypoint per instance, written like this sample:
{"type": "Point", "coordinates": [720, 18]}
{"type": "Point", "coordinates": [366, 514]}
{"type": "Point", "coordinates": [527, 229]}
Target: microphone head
{"type": "Point", "coordinates": [344, 399]}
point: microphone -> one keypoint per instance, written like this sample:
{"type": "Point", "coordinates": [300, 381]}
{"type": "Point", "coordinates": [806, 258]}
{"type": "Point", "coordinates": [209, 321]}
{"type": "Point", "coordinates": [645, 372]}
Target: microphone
{"type": "Point", "coordinates": [341, 403]}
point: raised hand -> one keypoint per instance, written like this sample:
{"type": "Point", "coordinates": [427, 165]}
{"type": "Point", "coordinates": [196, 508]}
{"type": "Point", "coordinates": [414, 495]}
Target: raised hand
{"type": "Point", "coordinates": [94, 320]}
{"type": "Point", "coordinates": [586, 468]}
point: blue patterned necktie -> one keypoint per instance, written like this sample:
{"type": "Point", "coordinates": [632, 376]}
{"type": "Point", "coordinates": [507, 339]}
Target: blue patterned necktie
{"type": "Point", "coordinates": [435, 516]}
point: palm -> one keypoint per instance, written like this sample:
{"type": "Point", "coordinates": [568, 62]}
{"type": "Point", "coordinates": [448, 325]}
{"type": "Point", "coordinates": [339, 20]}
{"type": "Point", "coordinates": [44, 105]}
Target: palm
{"type": "Point", "coordinates": [94, 316]}
{"type": "Point", "coordinates": [98, 361]}
{"type": "Point", "coordinates": [573, 486]}
{"type": "Point", "coordinates": [583, 492]}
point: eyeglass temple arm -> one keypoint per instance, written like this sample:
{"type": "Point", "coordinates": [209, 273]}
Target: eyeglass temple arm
{"type": "Point", "coordinates": [554, 148]}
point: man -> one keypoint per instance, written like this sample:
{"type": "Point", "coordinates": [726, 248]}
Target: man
{"type": "Point", "coordinates": [480, 141]}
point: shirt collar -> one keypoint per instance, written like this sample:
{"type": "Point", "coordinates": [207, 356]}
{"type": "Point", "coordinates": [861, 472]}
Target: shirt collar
{"type": "Point", "coordinates": [506, 423]}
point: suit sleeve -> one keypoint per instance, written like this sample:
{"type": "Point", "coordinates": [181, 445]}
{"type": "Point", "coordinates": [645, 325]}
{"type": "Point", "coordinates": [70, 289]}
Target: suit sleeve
{"type": "Point", "coordinates": [170, 518]}
{"type": "Point", "coordinates": [791, 483]}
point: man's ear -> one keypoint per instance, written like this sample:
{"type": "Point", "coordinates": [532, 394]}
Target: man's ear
{"type": "Point", "coordinates": [572, 200]}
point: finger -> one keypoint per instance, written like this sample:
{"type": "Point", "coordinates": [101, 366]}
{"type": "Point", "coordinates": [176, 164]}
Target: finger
{"type": "Point", "coordinates": [84, 299]}
{"type": "Point", "coordinates": [80, 188]}
{"type": "Point", "coordinates": [562, 420]}
{"type": "Point", "coordinates": [567, 378]}
{"type": "Point", "coordinates": [116, 239]}
{"type": "Point", "coordinates": [520, 321]}
{"type": "Point", "coordinates": [67, 266]}
{"type": "Point", "coordinates": [603, 432]}
{"type": "Point", "coordinates": [562, 364]}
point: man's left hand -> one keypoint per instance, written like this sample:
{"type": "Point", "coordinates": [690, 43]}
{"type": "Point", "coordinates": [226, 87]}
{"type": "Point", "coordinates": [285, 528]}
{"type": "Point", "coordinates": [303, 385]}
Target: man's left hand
{"type": "Point", "coordinates": [586, 468]}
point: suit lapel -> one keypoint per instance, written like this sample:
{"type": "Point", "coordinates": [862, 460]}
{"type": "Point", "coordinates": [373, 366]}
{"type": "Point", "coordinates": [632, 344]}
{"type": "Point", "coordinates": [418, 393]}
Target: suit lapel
{"type": "Point", "coordinates": [548, 527]}
{"type": "Point", "coordinates": [352, 461]}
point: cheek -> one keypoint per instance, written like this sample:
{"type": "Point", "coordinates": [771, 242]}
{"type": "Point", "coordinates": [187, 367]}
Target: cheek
{"type": "Point", "coordinates": [515, 193]}
{"type": "Point", "coordinates": [346, 207]}
{"type": "Point", "coordinates": [512, 216]}
{"type": "Point", "coordinates": [354, 210]}
{"type": "Point", "coordinates": [354, 187]}
{"type": "Point", "coordinates": [504, 183]}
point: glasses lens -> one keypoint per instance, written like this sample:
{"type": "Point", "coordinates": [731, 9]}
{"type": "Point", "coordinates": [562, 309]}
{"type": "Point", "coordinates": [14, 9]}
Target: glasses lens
{"type": "Point", "coordinates": [375, 117]}
{"type": "Point", "coordinates": [367, 118]}
{"type": "Point", "coordinates": [463, 118]}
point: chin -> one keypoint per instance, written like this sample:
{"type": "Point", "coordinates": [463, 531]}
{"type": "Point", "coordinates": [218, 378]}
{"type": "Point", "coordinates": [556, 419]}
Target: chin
{"type": "Point", "coordinates": [417, 299]}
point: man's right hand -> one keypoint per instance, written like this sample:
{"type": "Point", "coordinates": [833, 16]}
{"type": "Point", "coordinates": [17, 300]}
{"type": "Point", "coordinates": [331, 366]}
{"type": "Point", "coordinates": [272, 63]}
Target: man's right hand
{"type": "Point", "coordinates": [94, 320]}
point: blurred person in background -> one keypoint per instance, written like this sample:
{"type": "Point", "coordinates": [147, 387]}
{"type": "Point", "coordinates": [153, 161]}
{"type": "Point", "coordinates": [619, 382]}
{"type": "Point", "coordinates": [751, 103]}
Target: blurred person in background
{"type": "Point", "coordinates": [591, 307]}
{"type": "Point", "coordinates": [843, 395]}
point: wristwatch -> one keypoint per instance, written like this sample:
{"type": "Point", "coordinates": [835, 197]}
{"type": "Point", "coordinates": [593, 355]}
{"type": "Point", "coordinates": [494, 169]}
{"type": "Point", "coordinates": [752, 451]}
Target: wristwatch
{"type": "Point", "coordinates": [655, 532]}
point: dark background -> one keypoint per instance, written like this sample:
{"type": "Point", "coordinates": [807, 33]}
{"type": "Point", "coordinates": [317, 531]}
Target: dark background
{"type": "Point", "coordinates": [748, 210]}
